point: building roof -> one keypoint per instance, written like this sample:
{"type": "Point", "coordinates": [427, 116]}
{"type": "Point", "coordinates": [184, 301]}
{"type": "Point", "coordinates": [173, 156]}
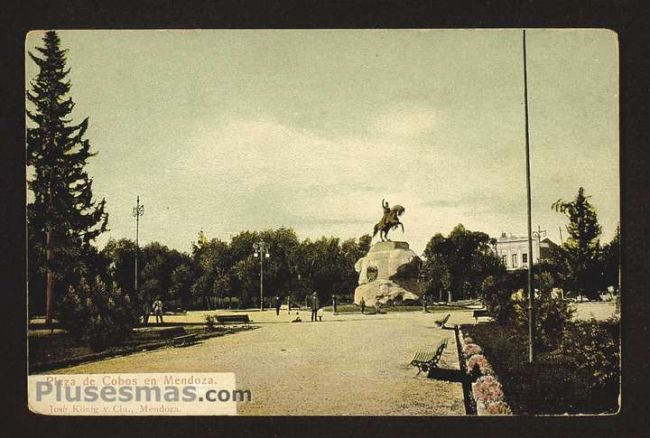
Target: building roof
{"type": "Point", "coordinates": [504, 238]}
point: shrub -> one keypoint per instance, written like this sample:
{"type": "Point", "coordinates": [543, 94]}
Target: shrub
{"type": "Point", "coordinates": [96, 314]}
{"type": "Point", "coordinates": [551, 315]}
{"type": "Point", "coordinates": [498, 408]}
{"type": "Point", "coordinates": [593, 348]}
{"type": "Point", "coordinates": [497, 295]}
{"type": "Point", "coordinates": [551, 318]}
{"type": "Point", "coordinates": [478, 365]}
{"type": "Point", "coordinates": [487, 389]}
{"type": "Point", "coordinates": [210, 321]}
{"type": "Point", "coordinates": [471, 349]}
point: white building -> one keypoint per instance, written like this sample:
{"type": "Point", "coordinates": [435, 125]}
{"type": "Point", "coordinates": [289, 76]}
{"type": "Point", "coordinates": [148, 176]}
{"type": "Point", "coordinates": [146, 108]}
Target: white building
{"type": "Point", "coordinates": [513, 250]}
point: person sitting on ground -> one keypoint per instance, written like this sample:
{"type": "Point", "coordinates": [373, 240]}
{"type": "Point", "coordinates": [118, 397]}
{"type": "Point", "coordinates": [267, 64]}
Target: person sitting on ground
{"type": "Point", "coordinates": [297, 318]}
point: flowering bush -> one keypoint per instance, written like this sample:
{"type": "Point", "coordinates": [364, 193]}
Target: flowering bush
{"type": "Point", "coordinates": [498, 408]}
{"type": "Point", "coordinates": [487, 389]}
{"type": "Point", "coordinates": [479, 364]}
{"type": "Point", "coordinates": [470, 350]}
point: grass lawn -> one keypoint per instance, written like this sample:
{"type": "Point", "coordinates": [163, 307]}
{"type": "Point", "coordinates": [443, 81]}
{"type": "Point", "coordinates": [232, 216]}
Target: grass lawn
{"type": "Point", "coordinates": [552, 385]}
{"type": "Point", "coordinates": [60, 349]}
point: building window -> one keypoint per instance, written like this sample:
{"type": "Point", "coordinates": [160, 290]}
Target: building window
{"type": "Point", "coordinates": [504, 260]}
{"type": "Point", "coordinates": [514, 260]}
{"type": "Point", "coordinates": [524, 258]}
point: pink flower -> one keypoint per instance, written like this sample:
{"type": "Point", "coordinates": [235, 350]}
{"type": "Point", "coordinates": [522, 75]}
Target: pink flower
{"type": "Point", "coordinates": [487, 389]}
{"type": "Point", "coordinates": [498, 408]}
{"type": "Point", "coordinates": [470, 350]}
{"type": "Point", "coordinates": [480, 361]}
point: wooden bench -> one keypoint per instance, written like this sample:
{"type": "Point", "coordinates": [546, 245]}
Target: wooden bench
{"type": "Point", "coordinates": [441, 323]}
{"type": "Point", "coordinates": [428, 359]}
{"type": "Point", "coordinates": [233, 319]}
{"type": "Point", "coordinates": [185, 340]}
{"type": "Point", "coordinates": [478, 313]}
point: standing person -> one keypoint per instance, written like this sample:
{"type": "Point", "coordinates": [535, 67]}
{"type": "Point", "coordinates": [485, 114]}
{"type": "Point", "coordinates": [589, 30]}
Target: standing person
{"type": "Point", "coordinates": [289, 303]}
{"type": "Point", "coordinates": [278, 303]}
{"type": "Point", "coordinates": [158, 310]}
{"type": "Point", "coordinates": [146, 311]}
{"type": "Point", "coordinates": [362, 303]}
{"type": "Point", "coordinates": [334, 302]}
{"type": "Point", "coordinates": [314, 307]}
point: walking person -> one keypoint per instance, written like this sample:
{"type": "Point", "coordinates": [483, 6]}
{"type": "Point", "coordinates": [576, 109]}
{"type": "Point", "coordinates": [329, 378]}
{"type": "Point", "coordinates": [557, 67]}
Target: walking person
{"type": "Point", "coordinates": [278, 303]}
{"type": "Point", "coordinates": [362, 304]}
{"type": "Point", "coordinates": [158, 310]}
{"type": "Point", "coordinates": [314, 307]}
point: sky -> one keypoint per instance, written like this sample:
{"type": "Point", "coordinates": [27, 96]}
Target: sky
{"type": "Point", "coordinates": [232, 130]}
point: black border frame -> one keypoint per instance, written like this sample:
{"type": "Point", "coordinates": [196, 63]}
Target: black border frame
{"type": "Point", "coordinates": [629, 19]}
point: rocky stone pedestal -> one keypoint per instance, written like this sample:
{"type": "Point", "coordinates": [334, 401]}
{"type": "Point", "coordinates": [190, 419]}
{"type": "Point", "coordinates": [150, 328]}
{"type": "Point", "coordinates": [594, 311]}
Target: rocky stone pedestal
{"type": "Point", "coordinates": [376, 269]}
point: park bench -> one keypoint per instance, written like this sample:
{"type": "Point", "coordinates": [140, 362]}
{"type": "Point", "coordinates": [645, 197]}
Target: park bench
{"type": "Point", "coordinates": [233, 319]}
{"type": "Point", "coordinates": [184, 340]}
{"type": "Point", "coordinates": [441, 323]}
{"type": "Point", "coordinates": [478, 313]}
{"type": "Point", "coordinates": [427, 359]}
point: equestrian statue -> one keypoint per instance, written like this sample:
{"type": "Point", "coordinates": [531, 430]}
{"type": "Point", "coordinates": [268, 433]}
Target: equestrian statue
{"type": "Point", "coordinates": [390, 221]}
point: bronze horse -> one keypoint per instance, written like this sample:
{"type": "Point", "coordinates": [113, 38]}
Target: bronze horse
{"type": "Point", "coordinates": [390, 220]}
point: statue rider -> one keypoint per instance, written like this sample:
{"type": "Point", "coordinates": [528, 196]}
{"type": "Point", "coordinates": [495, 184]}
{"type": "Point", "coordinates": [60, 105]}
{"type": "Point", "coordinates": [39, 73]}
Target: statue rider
{"type": "Point", "coordinates": [386, 208]}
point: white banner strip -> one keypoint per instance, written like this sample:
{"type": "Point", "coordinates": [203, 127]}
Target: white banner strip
{"type": "Point", "coordinates": [135, 394]}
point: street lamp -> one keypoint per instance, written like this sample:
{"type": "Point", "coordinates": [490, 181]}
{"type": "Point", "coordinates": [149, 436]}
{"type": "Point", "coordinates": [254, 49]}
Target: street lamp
{"type": "Point", "coordinates": [138, 211]}
{"type": "Point", "coordinates": [539, 234]}
{"type": "Point", "coordinates": [261, 250]}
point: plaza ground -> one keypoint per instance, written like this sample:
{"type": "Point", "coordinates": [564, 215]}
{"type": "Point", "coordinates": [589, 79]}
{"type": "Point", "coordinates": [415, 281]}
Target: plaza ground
{"type": "Point", "coordinates": [349, 364]}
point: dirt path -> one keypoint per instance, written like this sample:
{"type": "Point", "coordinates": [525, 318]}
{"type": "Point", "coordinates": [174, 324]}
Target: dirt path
{"type": "Point", "coordinates": [349, 364]}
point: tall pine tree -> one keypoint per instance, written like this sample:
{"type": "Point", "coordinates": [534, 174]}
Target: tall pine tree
{"type": "Point", "coordinates": [63, 219]}
{"type": "Point", "coordinates": [582, 247]}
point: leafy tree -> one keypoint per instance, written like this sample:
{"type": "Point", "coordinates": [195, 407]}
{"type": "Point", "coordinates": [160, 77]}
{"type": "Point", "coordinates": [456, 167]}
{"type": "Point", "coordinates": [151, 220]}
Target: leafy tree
{"type": "Point", "coordinates": [159, 263]}
{"type": "Point", "coordinates": [63, 218]}
{"type": "Point", "coordinates": [182, 279]}
{"type": "Point", "coordinates": [121, 254]}
{"type": "Point", "coordinates": [459, 262]}
{"type": "Point", "coordinates": [582, 246]}
{"type": "Point", "coordinates": [351, 251]}
{"type": "Point", "coordinates": [324, 266]}
{"type": "Point", "coordinates": [213, 259]}
{"type": "Point", "coordinates": [610, 261]}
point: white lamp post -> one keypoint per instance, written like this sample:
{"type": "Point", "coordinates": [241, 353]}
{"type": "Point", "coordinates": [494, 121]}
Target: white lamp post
{"type": "Point", "coordinates": [261, 250]}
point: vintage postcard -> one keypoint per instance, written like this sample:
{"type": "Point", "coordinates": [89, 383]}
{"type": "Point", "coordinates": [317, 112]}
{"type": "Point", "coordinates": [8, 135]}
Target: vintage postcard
{"type": "Point", "coordinates": [323, 222]}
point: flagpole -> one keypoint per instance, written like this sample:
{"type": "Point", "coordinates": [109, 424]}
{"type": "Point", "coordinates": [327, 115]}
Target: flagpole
{"type": "Point", "coordinates": [531, 292]}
